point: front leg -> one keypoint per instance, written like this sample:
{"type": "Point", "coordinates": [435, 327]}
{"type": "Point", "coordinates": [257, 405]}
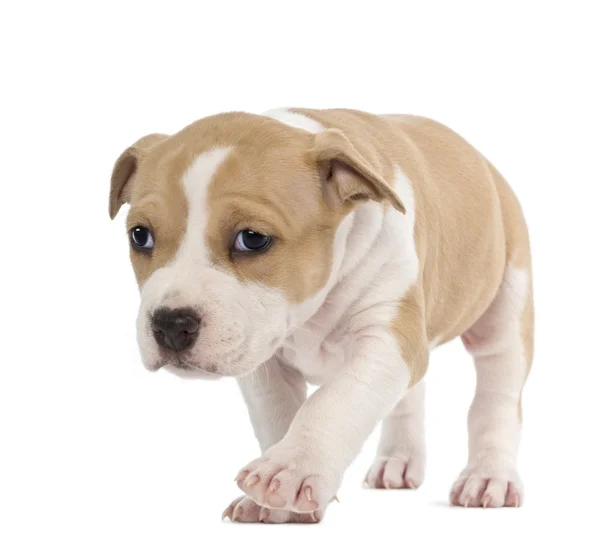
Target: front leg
{"type": "Point", "coordinates": [273, 394]}
{"type": "Point", "coordinates": [304, 470]}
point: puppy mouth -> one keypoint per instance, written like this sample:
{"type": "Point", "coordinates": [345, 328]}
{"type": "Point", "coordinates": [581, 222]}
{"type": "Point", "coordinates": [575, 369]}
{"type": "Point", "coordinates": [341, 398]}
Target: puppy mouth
{"type": "Point", "coordinates": [183, 364]}
{"type": "Point", "coordinates": [178, 365]}
{"type": "Point", "coordinates": [183, 369]}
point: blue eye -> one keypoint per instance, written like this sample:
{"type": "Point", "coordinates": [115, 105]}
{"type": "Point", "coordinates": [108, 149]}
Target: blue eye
{"type": "Point", "coordinates": [141, 238]}
{"type": "Point", "coordinates": [251, 241]}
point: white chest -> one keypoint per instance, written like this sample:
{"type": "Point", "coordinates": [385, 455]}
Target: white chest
{"type": "Point", "coordinates": [317, 353]}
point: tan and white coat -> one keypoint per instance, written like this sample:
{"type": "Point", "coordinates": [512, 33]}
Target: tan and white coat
{"type": "Point", "coordinates": [392, 235]}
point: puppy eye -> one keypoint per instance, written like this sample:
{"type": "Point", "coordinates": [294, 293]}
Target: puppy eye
{"type": "Point", "coordinates": [141, 238]}
{"type": "Point", "coordinates": [251, 241]}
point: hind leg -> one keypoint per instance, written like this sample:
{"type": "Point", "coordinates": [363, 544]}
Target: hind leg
{"type": "Point", "coordinates": [400, 461]}
{"type": "Point", "coordinates": [501, 343]}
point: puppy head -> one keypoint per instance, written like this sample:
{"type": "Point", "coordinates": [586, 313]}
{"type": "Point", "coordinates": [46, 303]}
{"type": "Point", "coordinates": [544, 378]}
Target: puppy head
{"type": "Point", "coordinates": [237, 231]}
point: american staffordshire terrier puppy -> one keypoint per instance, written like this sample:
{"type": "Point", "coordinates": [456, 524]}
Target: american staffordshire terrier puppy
{"type": "Point", "coordinates": [339, 248]}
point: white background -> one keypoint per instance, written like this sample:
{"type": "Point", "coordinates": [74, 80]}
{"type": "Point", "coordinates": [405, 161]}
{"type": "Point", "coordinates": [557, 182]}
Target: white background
{"type": "Point", "coordinates": [96, 450]}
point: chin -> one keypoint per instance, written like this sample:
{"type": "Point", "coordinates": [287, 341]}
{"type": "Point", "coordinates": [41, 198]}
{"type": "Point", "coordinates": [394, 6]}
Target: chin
{"type": "Point", "coordinates": [189, 372]}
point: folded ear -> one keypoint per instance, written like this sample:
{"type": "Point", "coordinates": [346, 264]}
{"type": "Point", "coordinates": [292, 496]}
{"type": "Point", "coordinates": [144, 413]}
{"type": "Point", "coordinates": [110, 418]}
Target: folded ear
{"type": "Point", "coordinates": [347, 175]}
{"type": "Point", "coordinates": [123, 174]}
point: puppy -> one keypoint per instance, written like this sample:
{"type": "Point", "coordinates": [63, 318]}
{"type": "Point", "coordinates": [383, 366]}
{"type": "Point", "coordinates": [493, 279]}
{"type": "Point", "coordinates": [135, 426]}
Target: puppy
{"type": "Point", "coordinates": [339, 248]}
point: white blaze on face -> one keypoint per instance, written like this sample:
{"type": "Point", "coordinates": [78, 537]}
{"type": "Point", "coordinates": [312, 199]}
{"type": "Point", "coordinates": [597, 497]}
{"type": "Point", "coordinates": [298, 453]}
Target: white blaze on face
{"type": "Point", "coordinates": [167, 285]}
{"type": "Point", "coordinates": [196, 181]}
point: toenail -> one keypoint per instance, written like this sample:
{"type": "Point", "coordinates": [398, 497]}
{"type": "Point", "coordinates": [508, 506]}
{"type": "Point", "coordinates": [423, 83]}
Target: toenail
{"type": "Point", "coordinates": [252, 480]}
{"type": "Point", "coordinates": [308, 493]}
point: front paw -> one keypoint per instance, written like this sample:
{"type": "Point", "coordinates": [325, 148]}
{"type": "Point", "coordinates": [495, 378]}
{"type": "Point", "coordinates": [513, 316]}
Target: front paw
{"type": "Point", "coordinates": [245, 509]}
{"type": "Point", "coordinates": [289, 478]}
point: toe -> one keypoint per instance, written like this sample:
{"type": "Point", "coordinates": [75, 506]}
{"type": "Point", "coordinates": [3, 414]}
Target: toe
{"type": "Point", "coordinates": [514, 495]}
{"type": "Point", "coordinates": [393, 473]}
{"type": "Point", "coordinates": [228, 513]}
{"type": "Point", "coordinates": [246, 510]}
{"type": "Point", "coordinates": [313, 517]}
{"type": "Point", "coordinates": [310, 496]}
{"type": "Point", "coordinates": [275, 493]}
{"type": "Point", "coordinates": [473, 491]}
{"type": "Point", "coordinates": [238, 512]}
{"type": "Point", "coordinates": [241, 476]}
{"type": "Point", "coordinates": [274, 516]}
{"type": "Point", "coordinates": [242, 509]}
{"type": "Point", "coordinates": [456, 492]}
{"type": "Point", "coordinates": [414, 474]}
{"type": "Point", "coordinates": [250, 513]}
{"type": "Point", "coordinates": [494, 494]}
{"type": "Point", "coordinates": [374, 478]}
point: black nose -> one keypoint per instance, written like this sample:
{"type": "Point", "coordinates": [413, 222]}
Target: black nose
{"type": "Point", "coordinates": [175, 328]}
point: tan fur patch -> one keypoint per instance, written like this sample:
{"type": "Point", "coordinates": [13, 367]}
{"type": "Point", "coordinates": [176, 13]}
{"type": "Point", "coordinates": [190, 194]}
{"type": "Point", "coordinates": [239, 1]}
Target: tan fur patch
{"type": "Point", "coordinates": [158, 202]}
{"type": "Point", "coordinates": [148, 175]}
{"type": "Point", "coordinates": [411, 332]}
{"type": "Point", "coordinates": [273, 188]}
{"type": "Point", "coordinates": [125, 170]}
